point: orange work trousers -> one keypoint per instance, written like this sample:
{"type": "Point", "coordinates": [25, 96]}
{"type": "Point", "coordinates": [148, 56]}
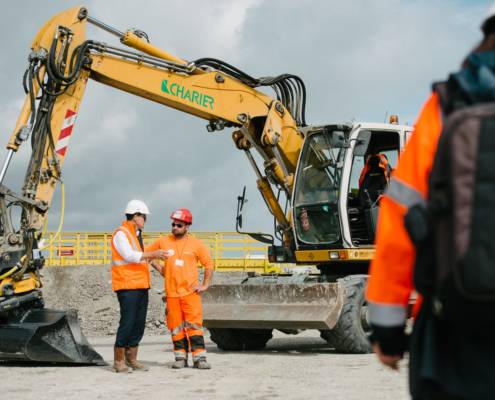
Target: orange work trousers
{"type": "Point", "coordinates": [185, 321]}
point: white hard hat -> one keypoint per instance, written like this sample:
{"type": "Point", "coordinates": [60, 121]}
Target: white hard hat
{"type": "Point", "coordinates": [136, 206]}
{"type": "Point", "coordinates": [490, 14]}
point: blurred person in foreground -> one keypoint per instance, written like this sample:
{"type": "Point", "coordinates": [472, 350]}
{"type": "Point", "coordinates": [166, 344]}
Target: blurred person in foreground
{"type": "Point", "coordinates": [435, 235]}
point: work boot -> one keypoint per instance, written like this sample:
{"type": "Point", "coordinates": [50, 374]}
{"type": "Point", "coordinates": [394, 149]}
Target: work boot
{"type": "Point", "coordinates": [119, 361]}
{"type": "Point", "coordinates": [131, 359]}
{"type": "Point", "coordinates": [201, 363]}
{"type": "Point", "coordinates": [180, 363]}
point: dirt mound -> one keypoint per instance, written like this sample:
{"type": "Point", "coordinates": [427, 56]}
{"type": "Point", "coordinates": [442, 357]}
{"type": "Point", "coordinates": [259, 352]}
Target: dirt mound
{"type": "Point", "coordinates": [88, 289]}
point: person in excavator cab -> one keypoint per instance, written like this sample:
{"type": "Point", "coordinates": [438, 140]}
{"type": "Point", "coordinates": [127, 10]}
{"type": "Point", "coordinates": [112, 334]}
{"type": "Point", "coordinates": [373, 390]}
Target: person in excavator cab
{"type": "Point", "coordinates": [374, 179]}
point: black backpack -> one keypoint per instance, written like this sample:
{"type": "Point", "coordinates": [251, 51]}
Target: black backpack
{"type": "Point", "coordinates": [454, 232]}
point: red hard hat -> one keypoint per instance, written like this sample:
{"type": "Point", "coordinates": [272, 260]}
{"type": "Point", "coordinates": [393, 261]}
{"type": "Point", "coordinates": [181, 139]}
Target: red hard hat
{"type": "Point", "coordinates": [182, 214]}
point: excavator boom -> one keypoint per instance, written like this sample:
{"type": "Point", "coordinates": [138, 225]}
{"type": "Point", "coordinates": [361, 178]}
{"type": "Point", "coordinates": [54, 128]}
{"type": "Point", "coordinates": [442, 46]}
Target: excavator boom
{"type": "Point", "coordinates": [61, 62]}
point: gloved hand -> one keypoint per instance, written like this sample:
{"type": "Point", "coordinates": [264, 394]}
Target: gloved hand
{"type": "Point", "coordinates": [389, 344]}
{"type": "Point", "coordinates": [393, 341]}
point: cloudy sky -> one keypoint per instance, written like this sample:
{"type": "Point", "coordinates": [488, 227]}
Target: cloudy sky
{"type": "Point", "coordinates": [360, 60]}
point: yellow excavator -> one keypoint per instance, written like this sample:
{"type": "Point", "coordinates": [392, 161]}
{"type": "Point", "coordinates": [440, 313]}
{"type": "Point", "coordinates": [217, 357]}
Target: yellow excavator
{"type": "Point", "coordinates": [321, 183]}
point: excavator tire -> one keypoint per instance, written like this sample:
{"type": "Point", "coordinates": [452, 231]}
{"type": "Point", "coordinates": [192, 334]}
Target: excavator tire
{"type": "Point", "coordinates": [350, 334]}
{"type": "Point", "coordinates": [240, 339]}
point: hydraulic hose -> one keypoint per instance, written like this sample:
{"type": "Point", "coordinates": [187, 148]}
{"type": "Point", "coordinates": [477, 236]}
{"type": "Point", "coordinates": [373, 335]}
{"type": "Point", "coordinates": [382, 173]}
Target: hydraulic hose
{"type": "Point", "coordinates": [61, 223]}
{"type": "Point", "coordinates": [9, 272]}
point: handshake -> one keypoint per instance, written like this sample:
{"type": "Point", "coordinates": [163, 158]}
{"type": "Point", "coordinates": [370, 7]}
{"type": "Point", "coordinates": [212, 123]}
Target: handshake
{"type": "Point", "coordinates": [158, 254]}
{"type": "Point", "coordinates": [162, 254]}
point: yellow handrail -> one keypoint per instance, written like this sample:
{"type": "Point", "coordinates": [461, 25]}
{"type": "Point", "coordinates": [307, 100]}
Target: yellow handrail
{"type": "Point", "coordinates": [230, 251]}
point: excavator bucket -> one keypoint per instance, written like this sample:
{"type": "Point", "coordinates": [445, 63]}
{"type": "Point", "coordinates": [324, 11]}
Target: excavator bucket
{"type": "Point", "coordinates": [273, 306]}
{"type": "Point", "coordinates": [46, 336]}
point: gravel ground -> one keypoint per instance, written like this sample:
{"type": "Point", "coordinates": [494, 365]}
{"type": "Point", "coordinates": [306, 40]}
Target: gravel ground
{"type": "Point", "coordinates": [291, 367]}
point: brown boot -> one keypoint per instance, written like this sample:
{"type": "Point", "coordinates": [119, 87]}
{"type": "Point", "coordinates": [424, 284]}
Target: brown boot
{"type": "Point", "coordinates": [119, 362]}
{"type": "Point", "coordinates": [131, 359]}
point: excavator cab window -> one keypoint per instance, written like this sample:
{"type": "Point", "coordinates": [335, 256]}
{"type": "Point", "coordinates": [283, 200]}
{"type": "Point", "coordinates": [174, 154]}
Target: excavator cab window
{"type": "Point", "coordinates": [317, 190]}
{"type": "Point", "coordinates": [370, 175]}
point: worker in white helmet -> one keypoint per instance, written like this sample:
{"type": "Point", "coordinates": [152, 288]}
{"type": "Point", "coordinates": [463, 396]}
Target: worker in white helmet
{"type": "Point", "coordinates": [131, 282]}
{"type": "Point", "coordinates": [452, 346]}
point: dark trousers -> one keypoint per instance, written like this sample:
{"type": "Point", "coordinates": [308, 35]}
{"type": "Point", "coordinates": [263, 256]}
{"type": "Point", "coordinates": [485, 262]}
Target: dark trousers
{"type": "Point", "coordinates": [431, 391]}
{"type": "Point", "coordinates": [133, 309]}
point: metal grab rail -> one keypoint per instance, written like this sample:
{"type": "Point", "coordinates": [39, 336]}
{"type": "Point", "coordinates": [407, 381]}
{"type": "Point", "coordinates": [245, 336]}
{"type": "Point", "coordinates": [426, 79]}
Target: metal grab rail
{"type": "Point", "coordinates": [230, 251]}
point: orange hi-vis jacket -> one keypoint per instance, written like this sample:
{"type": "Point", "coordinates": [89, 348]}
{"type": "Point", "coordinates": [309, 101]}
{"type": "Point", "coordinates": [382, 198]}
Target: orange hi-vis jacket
{"type": "Point", "coordinates": [391, 273]}
{"type": "Point", "coordinates": [126, 275]}
{"type": "Point", "coordinates": [181, 269]}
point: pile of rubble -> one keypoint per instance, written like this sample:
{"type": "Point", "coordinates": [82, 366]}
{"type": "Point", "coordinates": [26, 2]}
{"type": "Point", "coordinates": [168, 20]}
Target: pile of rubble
{"type": "Point", "coordinates": [88, 289]}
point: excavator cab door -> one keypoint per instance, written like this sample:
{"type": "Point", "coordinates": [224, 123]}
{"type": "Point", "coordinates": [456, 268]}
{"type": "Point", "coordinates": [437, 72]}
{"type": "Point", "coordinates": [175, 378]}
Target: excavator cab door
{"type": "Point", "coordinates": [317, 190]}
{"type": "Point", "coordinates": [368, 180]}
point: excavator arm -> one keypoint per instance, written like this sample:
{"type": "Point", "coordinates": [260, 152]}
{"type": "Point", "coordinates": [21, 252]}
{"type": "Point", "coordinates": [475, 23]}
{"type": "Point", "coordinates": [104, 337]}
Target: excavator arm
{"type": "Point", "coordinates": [61, 61]}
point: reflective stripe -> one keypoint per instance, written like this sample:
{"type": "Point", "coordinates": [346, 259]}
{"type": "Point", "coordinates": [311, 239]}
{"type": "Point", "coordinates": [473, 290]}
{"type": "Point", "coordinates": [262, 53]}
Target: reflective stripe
{"type": "Point", "coordinates": [129, 236]}
{"type": "Point", "coordinates": [119, 262]}
{"type": "Point", "coordinates": [177, 330]}
{"type": "Point", "coordinates": [387, 315]}
{"type": "Point", "coordinates": [190, 325]}
{"type": "Point", "coordinates": [404, 193]}
{"type": "Point", "coordinates": [199, 354]}
{"type": "Point", "coordinates": [180, 355]}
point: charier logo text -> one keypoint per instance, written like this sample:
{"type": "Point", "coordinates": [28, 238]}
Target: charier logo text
{"type": "Point", "coordinates": [191, 95]}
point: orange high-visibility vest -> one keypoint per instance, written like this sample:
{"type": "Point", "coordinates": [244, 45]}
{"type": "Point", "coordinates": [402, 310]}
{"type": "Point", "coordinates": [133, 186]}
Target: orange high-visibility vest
{"type": "Point", "coordinates": [391, 272]}
{"type": "Point", "coordinates": [126, 275]}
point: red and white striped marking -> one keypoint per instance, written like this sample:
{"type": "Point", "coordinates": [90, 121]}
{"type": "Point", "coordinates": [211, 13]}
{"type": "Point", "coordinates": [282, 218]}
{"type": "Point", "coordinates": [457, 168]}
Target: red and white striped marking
{"type": "Point", "coordinates": [65, 132]}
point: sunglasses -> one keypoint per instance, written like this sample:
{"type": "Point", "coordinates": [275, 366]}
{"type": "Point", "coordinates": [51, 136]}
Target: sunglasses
{"type": "Point", "coordinates": [141, 215]}
{"type": "Point", "coordinates": [177, 225]}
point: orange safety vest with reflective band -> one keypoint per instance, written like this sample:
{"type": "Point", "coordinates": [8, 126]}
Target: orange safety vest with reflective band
{"type": "Point", "coordinates": [127, 275]}
{"type": "Point", "coordinates": [391, 272]}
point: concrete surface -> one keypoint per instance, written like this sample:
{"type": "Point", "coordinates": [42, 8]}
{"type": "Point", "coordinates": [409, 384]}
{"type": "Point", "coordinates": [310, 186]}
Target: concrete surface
{"type": "Point", "coordinates": [291, 367]}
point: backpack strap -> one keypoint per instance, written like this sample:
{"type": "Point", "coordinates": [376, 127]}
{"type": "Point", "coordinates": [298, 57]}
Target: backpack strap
{"type": "Point", "coordinates": [440, 88]}
{"type": "Point", "coordinates": [450, 95]}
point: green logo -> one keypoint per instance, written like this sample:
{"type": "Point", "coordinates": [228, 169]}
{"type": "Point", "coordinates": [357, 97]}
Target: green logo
{"type": "Point", "coordinates": [192, 96]}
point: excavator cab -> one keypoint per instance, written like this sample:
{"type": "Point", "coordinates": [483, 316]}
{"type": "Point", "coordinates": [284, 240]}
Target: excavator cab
{"type": "Point", "coordinates": [342, 173]}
